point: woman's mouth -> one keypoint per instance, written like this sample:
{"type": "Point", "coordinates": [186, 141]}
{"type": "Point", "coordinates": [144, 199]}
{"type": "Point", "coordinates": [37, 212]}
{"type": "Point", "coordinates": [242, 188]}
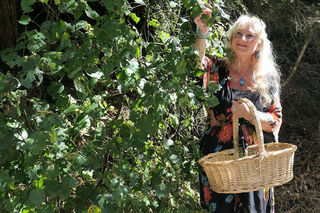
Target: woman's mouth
{"type": "Point", "coordinates": [242, 45]}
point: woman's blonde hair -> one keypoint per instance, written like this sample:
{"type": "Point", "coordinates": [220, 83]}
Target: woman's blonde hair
{"type": "Point", "coordinates": [267, 73]}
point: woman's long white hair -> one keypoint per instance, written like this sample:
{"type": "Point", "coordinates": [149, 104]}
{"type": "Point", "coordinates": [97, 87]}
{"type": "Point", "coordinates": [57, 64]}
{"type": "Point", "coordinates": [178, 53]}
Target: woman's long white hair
{"type": "Point", "coordinates": [267, 74]}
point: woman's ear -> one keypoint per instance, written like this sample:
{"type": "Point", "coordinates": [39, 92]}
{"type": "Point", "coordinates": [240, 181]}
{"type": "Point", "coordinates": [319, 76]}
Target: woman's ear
{"type": "Point", "coordinates": [260, 45]}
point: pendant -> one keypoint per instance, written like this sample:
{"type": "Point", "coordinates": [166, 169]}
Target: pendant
{"type": "Point", "coordinates": [242, 81]}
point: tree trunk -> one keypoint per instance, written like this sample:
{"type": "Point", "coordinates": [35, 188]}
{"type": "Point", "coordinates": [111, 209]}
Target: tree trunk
{"type": "Point", "coordinates": [8, 23]}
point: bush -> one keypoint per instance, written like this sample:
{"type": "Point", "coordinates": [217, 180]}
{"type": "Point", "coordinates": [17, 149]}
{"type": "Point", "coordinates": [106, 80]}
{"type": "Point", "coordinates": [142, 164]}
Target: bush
{"type": "Point", "coordinates": [100, 108]}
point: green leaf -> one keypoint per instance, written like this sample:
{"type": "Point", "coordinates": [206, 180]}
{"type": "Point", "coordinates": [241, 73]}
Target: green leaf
{"type": "Point", "coordinates": [134, 17]}
{"type": "Point", "coordinates": [69, 182]}
{"type": "Point", "coordinates": [126, 131]}
{"type": "Point", "coordinates": [195, 11]}
{"type": "Point", "coordinates": [173, 4]}
{"type": "Point", "coordinates": [7, 83]}
{"type": "Point", "coordinates": [82, 87]}
{"type": "Point", "coordinates": [72, 109]}
{"type": "Point", "coordinates": [161, 190]}
{"type": "Point", "coordinates": [38, 141]}
{"type": "Point", "coordinates": [168, 143]}
{"type": "Point", "coordinates": [55, 89]}
{"type": "Point", "coordinates": [138, 54]}
{"type": "Point", "coordinates": [164, 36]}
{"type": "Point", "coordinates": [39, 183]}
{"type": "Point", "coordinates": [26, 5]}
{"type": "Point", "coordinates": [91, 13]}
{"type": "Point", "coordinates": [154, 22]}
{"type": "Point", "coordinates": [94, 209]}
{"type": "Point", "coordinates": [52, 187]}
{"type": "Point", "coordinates": [84, 125]}
{"type": "Point", "coordinates": [140, 2]}
{"type": "Point", "coordinates": [29, 63]}
{"type": "Point", "coordinates": [108, 5]}
{"type": "Point", "coordinates": [30, 76]}
{"type": "Point", "coordinates": [65, 36]}
{"type": "Point", "coordinates": [212, 101]}
{"type": "Point", "coordinates": [24, 20]}
{"type": "Point", "coordinates": [51, 121]}
{"type": "Point", "coordinates": [199, 72]}
{"type": "Point", "coordinates": [35, 35]}
{"type": "Point", "coordinates": [94, 72]}
{"type": "Point", "coordinates": [75, 72]}
{"type": "Point", "coordinates": [6, 138]}
{"type": "Point", "coordinates": [61, 189]}
{"type": "Point", "coordinates": [11, 57]}
{"type": "Point", "coordinates": [34, 46]}
{"type": "Point", "coordinates": [175, 159]}
{"type": "Point", "coordinates": [181, 67]}
{"type": "Point", "coordinates": [155, 204]}
{"type": "Point", "coordinates": [5, 180]}
{"type": "Point", "coordinates": [221, 50]}
{"type": "Point", "coordinates": [37, 197]}
{"type": "Point", "coordinates": [147, 124]}
{"type": "Point", "coordinates": [213, 87]}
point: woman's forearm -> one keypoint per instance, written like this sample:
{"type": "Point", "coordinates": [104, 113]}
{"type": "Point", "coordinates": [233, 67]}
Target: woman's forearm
{"type": "Point", "coordinates": [265, 120]}
{"type": "Point", "coordinates": [201, 47]}
{"type": "Point", "coordinates": [265, 123]}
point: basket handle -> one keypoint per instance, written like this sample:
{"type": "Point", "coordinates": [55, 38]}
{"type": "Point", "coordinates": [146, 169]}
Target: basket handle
{"type": "Point", "coordinates": [257, 124]}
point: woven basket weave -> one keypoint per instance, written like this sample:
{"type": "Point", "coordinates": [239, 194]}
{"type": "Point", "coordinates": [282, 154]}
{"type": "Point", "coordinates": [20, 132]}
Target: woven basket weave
{"type": "Point", "coordinates": [265, 166]}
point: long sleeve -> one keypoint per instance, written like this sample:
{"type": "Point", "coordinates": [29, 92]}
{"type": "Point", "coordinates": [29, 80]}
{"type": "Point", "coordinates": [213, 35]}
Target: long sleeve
{"type": "Point", "coordinates": [274, 115]}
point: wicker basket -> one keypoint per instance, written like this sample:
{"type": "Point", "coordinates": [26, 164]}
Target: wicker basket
{"type": "Point", "coordinates": [265, 166]}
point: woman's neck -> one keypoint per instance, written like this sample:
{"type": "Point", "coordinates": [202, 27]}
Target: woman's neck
{"type": "Point", "coordinates": [241, 65]}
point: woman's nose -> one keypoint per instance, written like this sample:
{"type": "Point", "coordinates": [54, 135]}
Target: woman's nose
{"type": "Point", "coordinates": [244, 37]}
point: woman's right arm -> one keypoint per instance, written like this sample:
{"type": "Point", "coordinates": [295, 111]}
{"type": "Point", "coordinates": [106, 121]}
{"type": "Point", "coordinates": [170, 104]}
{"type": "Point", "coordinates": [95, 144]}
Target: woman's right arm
{"type": "Point", "coordinates": [201, 47]}
{"type": "Point", "coordinates": [203, 30]}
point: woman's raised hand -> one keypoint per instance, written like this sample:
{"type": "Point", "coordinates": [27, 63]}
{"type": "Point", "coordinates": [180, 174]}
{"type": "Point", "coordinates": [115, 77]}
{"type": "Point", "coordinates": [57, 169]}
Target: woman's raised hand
{"type": "Point", "coordinates": [201, 22]}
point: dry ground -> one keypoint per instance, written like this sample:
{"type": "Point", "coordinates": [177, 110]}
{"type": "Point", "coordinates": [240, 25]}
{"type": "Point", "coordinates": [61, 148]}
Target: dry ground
{"type": "Point", "coordinates": [301, 126]}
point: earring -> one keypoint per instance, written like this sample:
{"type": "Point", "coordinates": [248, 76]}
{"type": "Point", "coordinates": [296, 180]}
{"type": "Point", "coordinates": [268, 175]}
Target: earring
{"type": "Point", "coordinates": [257, 55]}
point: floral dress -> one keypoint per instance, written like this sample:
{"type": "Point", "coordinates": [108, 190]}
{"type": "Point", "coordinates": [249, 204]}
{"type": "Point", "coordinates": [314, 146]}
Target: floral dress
{"type": "Point", "coordinates": [219, 136]}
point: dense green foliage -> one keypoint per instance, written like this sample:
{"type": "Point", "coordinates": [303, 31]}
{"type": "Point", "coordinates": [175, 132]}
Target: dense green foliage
{"type": "Point", "coordinates": [98, 107]}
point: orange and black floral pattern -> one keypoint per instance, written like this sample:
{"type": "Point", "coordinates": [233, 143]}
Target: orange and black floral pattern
{"type": "Point", "coordinates": [219, 136]}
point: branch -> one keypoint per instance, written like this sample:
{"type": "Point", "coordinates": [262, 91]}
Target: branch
{"type": "Point", "coordinates": [319, 131]}
{"type": "Point", "coordinates": [306, 42]}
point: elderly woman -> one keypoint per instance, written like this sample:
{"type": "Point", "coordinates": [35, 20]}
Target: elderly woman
{"type": "Point", "coordinates": [249, 72]}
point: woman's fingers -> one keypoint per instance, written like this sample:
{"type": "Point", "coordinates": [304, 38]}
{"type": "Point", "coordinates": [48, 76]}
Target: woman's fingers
{"type": "Point", "coordinates": [202, 22]}
{"type": "Point", "coordinates": [239, 109]}
{"type": "Point", "coordinates": [207, 5]}
{"type": "Point", "coordinates": [207, 10]}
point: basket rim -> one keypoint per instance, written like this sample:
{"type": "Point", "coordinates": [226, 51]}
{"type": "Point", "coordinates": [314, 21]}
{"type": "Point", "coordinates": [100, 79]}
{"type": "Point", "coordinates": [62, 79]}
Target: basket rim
{"type": "Point", "coordinates": [290, 148]}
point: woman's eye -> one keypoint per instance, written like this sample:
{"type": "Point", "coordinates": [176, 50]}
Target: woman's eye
{"type": "Point", "coordinates": [239, 34]}
{"type": "Point", "coordinates": [251, 37]}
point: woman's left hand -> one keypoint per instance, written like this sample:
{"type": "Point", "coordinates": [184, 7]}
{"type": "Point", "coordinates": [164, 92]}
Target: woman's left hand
{"type": "Point", "coordinates": [241, 110]}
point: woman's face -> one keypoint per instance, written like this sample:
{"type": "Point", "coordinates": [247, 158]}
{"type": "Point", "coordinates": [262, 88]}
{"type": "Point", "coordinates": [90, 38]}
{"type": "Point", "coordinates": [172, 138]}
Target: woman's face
{"type": "Point", "coordinates": [245, 41]}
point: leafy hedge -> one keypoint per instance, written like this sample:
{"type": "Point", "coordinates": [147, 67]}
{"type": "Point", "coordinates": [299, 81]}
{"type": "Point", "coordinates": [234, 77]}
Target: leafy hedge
{"type": "Point", "coordinates": [100, 108]}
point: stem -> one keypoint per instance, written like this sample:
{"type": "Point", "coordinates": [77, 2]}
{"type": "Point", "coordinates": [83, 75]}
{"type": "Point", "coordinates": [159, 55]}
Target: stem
{"type": "Point", "coordinates": [306, 42]}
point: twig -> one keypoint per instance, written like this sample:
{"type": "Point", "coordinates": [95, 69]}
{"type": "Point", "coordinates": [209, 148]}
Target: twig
{"type": "Point", "coordinates": [306, 42]}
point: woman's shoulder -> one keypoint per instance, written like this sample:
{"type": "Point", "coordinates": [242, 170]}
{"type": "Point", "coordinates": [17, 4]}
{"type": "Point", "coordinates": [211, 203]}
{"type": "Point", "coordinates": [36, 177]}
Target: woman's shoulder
{"type": "Point", "coordinates": [215, 63]}
{"type": "Point", "coordinates": [215, 59]}
{"type": "Point", "coordinates": [215, 70]}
